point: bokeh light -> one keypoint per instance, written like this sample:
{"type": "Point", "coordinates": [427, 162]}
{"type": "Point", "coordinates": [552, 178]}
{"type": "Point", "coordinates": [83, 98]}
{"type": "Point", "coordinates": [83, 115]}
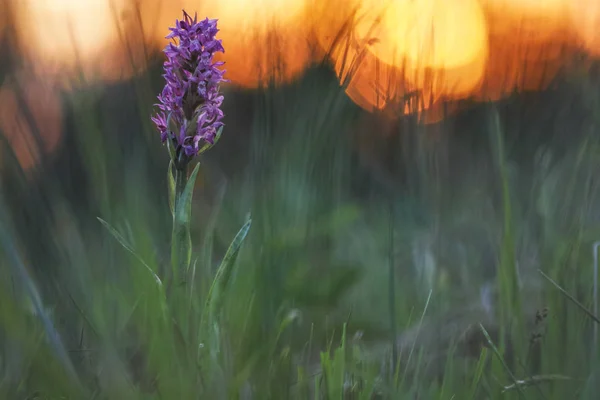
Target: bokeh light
{"type": "Point", "coordinates": [399, 46]}
{"type": "Point", "coordinates": [370, 83]}
{"type": "Point", "coordinates": [440, 44]}
{"type": "Point", "coordinates": [431, 33]}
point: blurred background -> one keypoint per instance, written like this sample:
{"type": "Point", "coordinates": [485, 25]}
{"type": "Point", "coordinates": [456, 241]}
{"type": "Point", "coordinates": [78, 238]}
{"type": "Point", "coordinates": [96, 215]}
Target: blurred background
{"type": "Point", "coordinates": [404, 147]}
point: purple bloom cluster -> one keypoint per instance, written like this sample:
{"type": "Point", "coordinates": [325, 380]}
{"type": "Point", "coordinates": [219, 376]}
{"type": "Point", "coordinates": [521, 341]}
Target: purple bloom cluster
{"type": "Point", "coordinates": [190, 114]}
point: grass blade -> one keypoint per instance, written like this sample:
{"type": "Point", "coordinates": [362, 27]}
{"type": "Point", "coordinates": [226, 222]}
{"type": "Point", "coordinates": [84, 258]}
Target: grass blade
{"type": "Point", "coordinates": [573, 299]}
{"type": "Point", "coordinates": [128, 247]}
{"type": "Point", "coordinates": [501, 359]}
{"type": "Point", "coordinates": [478, 372]}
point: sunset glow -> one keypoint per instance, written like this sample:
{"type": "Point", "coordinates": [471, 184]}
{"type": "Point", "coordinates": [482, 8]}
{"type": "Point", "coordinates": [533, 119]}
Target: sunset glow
{"type": "Point", "coordinates": [447, 49]}
{"type": "Point", "coordinates": [585, 17]}
{"type": "Point", "coordinates": [263, 39]}
{"type": "Point", "coordinates": [431, 33]}
{"type": "Point", "coordinates": [531, 20]}
{"type": "Point", "coordinates": [399, 46]}
{"type": "Point", "coordinates": [63, 35]}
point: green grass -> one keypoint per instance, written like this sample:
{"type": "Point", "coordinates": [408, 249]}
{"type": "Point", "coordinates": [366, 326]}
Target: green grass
{"type": "Point", "coordinates": [321, 294]}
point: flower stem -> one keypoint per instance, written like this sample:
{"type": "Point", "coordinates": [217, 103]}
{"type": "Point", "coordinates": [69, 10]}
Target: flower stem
{"type": "Point", "coordinates": [180, 237]}
{"type": "Point", "coordinates": [180, 179]}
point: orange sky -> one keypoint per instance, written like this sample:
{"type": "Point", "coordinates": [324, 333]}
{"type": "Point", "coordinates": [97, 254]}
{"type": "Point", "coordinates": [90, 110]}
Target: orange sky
{"type": "Point", "coordinates": [441, 46]}
{"type": "Point", "coordinates": [446, 49]}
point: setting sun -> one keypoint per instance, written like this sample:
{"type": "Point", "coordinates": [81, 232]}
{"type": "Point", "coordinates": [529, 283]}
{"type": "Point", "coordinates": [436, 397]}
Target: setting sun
{"type": "Point", "coordinates": [429, 33]}
{"type": "Point", "coordinates": [399, 46]}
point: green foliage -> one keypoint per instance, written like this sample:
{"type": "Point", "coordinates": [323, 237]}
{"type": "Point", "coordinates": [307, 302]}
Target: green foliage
{"type": "Point", "coordinates": [334, 371]}
{"type": "Point", "coordinates": [220, 284]}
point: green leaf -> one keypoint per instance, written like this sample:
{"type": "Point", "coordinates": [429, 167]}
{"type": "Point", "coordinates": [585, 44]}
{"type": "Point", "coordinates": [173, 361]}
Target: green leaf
{"type": "Point", "coordinates": [218, 136]}
{"type": "Point", "coordinates": [130, 249]}
{"type": "Point", "coordinates": [221, 280]}
{"type": "Point", "coordinates": [181, 241]}
{"type": "Point", "coordinates": [183, 210]}
{"type": "Point", "coordinates": [171, 150]}
{"type": "Point", "coordinates": [171, 183]}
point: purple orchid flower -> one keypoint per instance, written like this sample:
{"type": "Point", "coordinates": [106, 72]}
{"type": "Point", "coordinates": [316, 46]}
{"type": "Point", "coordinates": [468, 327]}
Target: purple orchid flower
{"type": "Point", "coordinates": [190, 104]}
